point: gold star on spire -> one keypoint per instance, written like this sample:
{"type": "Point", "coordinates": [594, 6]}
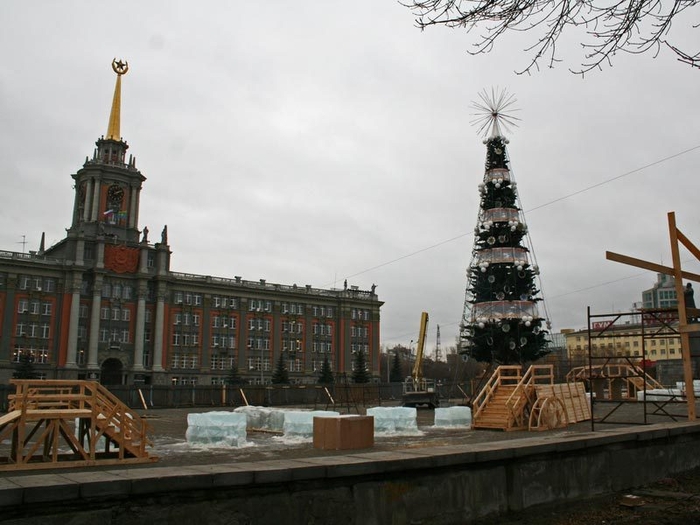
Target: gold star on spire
{"type": "Point", "coordinates": [120, 68]}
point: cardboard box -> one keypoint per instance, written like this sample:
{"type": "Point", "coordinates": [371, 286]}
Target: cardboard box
{"type": "Point", "coordinates": [343, 432]}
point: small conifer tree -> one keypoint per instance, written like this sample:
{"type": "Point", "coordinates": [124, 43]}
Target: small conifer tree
{"type": "Point", "coordinates": [326, 375]}
{"type": "Point", "coordinates": [360, 374]}
{"type": "Point", "coordinates": [280, 376]}
{"type": "Point", "coordinates": [25, 367]}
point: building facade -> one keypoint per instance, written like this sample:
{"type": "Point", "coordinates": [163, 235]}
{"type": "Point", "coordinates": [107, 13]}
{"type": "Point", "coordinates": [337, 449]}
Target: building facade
{"type": "Point", "coordinates": [652, 340]}
{"type": "Point", "coordinates": [662, 294]}
{"type": "Point", "coordinates": [103, 302]}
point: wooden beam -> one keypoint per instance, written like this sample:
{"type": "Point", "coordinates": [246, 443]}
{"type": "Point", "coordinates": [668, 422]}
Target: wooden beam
{"type": "Point", "coordinates": [682, 316]}
{"type": "Point", "coordinates": [689, 245]}
{"type": "Point", "coordinates": [646, 265]}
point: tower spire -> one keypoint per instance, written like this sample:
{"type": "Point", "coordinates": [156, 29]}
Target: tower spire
{"type": "Point", "coordinates": [113, 133]}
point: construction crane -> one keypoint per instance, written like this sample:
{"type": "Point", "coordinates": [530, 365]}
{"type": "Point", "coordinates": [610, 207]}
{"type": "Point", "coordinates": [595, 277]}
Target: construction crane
{"type": "Point", "coordinates": [438, 352]}
{"type": "Point", "coordinates": [416, 389]}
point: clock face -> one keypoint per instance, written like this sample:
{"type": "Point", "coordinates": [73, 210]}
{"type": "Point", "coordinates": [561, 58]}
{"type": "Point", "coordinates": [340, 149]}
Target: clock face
{"type": "Point", "coordinates": [115, 193]}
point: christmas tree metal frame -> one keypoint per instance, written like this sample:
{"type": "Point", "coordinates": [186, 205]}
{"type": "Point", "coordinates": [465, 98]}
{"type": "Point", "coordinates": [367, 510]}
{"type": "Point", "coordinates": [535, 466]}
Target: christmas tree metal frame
{"type": "Point", "coordinates": [501, 320]}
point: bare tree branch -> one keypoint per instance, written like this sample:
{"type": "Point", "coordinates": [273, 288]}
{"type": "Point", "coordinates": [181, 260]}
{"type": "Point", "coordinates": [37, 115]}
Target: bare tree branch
{"type": "Point", "coordinates": [632, 26]}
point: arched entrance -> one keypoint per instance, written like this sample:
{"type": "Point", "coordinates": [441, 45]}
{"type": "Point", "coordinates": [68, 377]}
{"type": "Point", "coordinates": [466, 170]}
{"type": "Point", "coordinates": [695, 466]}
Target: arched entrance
{"type": "Point", "coordinates": [111, 372]}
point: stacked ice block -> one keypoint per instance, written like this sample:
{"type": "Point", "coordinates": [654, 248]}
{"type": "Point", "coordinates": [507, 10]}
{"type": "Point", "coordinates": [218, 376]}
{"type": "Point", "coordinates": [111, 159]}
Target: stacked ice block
{"type": "Point", "coordinates": [453, 417]}
{"type": "Point", "coordinates": [394, 419]}
{"type": "Point", "coordinates": [216, 428]}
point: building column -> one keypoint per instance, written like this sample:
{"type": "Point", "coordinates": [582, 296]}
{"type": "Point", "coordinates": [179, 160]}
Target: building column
{"type": "Point", "coordinates": [88, 201]}
{"type": "Point", "coordinates": [140, 327]}
{"type": "Point", "coordinates": [72, 350]}
{"type": "Point", "coordinates": [94, 336]}
{"type": "Point", "coordinates": [133, 197]}
{"type": "Point", "coordinates": [159, 326]}
{"type": "Point", "coordinates": [95, 204]}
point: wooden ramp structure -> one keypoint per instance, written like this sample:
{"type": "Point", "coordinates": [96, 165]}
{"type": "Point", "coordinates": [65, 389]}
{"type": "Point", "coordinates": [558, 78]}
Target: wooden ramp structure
{"type": "Point", "coordinates": [61, 423]}
{"type": "Point", "coordinates": [614, 380]}
{"type": "Point", "coordinates": [511, 400]}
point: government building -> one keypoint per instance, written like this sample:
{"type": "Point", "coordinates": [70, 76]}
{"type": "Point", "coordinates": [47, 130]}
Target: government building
{"type": "Point", "coordinates": [103, 303]}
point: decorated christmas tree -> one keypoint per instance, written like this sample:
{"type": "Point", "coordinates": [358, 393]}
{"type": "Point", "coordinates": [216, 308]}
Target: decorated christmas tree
{"type": "Point", "coordinates": [501, 323]}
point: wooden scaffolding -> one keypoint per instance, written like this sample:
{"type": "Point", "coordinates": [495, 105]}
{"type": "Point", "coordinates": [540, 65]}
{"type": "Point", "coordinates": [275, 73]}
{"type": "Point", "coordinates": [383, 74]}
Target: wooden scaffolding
{"type": "Point", "coordinates": [676, 237]}
{"type": "Point", "coordinates": [58, 423]}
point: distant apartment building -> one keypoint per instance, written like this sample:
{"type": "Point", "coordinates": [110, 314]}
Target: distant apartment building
{"type": "Point", "coordinates": [662, 294]}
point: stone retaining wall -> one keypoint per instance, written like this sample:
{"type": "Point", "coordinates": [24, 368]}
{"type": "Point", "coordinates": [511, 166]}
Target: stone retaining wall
{"type": "Point", "coordinates": [431, 485]}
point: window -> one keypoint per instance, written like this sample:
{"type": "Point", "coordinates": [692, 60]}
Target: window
{"type": "Point", "coordinates": [45, 331]}
{"type": "Point", "coordinates": [178, 297]}
{"type": "Point", "coordinates": [83, 311]}
{"type": "Point", "coordinates": [20, 330]}
{"type": "Point", "coordinates": [117, 291]}
{"type": "Point", "coordinates": [46, 308]}
{"type": "Point", "coordinates": [49, 285]}
{"type": "Point", "coordinates": [116, 314]}
{"type": "Point", "coordinates": [22, 306]}
{"type": "Point", "coordinates": [176, 339]}
{"type": "Point", "coordinates": [128, 291]}
{"type": "Point", "coordinates": [125, 336]}
{"type": "Point", "coordinates": [178, 319]}
{"type": "Point", "coordinates": [148, 316]}
{"type": "Point", "coordinates": [104, 335]}
{"type": "Point", "coordinates": [197, 299]}
{"type": "Point", "coordinates": [34, 307]}
{"type": "Point", "coordinates": [151, 259]}
{"type": "Point", "coordinates": [24, 283]}
{"type": "Point", "coordinates": [114, 336]}
{"type": "Point", "coordinates": [106, 290]}
{"type": "Point", "coordinates": [126, 314]}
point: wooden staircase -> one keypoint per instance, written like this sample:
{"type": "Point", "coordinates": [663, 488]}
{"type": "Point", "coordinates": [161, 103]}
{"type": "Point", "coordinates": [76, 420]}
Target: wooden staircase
{"type": "Point", "coordinates": [506, 401]}
{"type": "Point", "coordinates": [496, 414]}
{"type": "Point", "coordinates": [57, 423]}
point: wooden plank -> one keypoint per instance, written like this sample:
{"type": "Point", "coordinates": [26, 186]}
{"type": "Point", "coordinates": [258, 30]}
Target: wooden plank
{"type": "Point", "coordinates": [58, 413]}
{"type": "Point", "coordinates": [658, 268]}
{"type": "Point", "coordinates": [9, 417]}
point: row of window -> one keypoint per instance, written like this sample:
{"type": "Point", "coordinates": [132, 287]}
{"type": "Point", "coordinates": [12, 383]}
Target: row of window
{"type": "Point", "coordinates": [184, 361]}
{"type": "Point", "coordinates": [635, 344]}
{"type": "Point", "coordinates": [359, 331]}
{"type": "Point", "coordinates": [115, 314]}
{"type": "Point", "coordinates": [114, 336]}
{"type": "Point", "coordinates": [322, 329]}
{"type": "Point", "coordinates": [188, 298]}
{"type": "Point", "coordinates": [42, 331]}
{"type": "Point", "coordinates": [117, 291]}
{"type": "Point", "coordinates": [186, 319]}
{"type": "Point", "coordinates": [293, 327]}
{"type": "Point", "coordinates": [38, 355]}
{"type": "Point", "coordinates": [360, 315]}
{"type": "Point", "coordinates": [34, 307]}
{"type": "Point", "coordinates": [224, 301]}
{"type": "Point", "coordinates": [37, 283]}
{"type": "Point", "coordinates": [359, 347]}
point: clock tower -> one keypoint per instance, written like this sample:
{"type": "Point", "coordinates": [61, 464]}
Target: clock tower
{"type": "Point", "coordinates": [108, 187]}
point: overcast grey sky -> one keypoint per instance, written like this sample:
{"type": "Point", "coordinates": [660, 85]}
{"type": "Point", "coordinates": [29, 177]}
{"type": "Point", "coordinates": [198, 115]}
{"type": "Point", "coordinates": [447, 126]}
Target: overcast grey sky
{"type": "Point", "coordinates": [310, 142]}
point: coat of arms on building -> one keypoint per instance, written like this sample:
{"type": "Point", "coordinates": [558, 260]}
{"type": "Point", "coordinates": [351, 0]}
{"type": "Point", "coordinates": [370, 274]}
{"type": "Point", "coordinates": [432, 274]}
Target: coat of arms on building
{"type": "Point", "coordinates": [121, 259]}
